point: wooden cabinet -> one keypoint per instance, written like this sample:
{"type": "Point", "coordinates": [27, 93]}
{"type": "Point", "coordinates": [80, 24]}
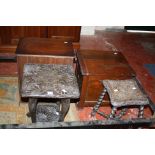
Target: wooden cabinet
{"type": "Point", "coordinates": [11, 34]}
{"type": "Point", "coordinates": [93, 66]}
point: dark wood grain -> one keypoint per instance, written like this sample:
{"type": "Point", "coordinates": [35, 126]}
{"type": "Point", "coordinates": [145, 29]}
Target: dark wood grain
{"type": "Point", "coordinates": [8, 49]}
{"type": "Point", "coordinates": [71, 31]}
{"type": "Point", "coordinates": [45, 46]}
{"type": "Point", "coordinates": [12, 34]}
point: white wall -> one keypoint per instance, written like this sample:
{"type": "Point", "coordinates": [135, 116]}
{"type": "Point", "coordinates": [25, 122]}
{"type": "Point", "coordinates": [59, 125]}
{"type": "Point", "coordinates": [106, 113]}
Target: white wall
{"type": "Point", "coordinates": [90, 30]}
{"type": "Point", "coordinates": [108, 27]}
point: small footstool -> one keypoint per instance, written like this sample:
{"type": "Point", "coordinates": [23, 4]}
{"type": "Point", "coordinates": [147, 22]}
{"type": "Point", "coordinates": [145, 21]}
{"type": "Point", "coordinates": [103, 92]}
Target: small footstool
{"type": "Point", "coordinates": [123, 94]}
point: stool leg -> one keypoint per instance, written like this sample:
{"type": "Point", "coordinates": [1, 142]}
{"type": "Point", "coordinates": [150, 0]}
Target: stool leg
{"type": "Point", "coordinates": [32, 109]}
{"type": "Point", "coordinates": [99, 102]}
{"type": "Point", "coordinates": [141, 111]}
{"type": "Point", "coordinates": [65, 105]}
{"type": "Point", "coordinates": [113, 112]}
{"type": "Point", "coordinates": [122, 113]}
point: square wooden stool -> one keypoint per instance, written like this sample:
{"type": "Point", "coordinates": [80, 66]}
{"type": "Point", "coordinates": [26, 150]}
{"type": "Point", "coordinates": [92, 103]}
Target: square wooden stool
{"type": "Point", "coordinates": [54, 81]}
{"type": "Point", "coordinates": [123, 94]}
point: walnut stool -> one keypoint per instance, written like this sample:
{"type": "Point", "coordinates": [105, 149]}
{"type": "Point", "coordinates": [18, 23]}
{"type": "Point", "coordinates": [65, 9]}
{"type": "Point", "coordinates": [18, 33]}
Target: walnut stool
{"type": "Point", "coordinates": [123, 94]}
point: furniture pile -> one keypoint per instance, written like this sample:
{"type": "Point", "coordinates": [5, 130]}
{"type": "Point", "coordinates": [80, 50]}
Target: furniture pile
{"type": "Point", "coordinates": [52, 69]}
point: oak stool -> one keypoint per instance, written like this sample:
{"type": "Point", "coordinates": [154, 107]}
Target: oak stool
{"type": "Point", "coordinates": [123, 94]}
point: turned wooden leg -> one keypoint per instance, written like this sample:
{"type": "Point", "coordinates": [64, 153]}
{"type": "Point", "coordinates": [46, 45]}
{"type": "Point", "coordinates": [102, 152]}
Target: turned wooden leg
{"type": "Point", "coordinates": [65, 104]}
{"type": "Point", "coordinates": [113, 112]}
{"type": "Point", "coordinates": [141, 112]}
{"type": "Point", "coordinates": [32, 109]}
{"type": "Point", "coordinates": [122, 113]}
{"type": "Point", "coordinates": [99, 102]}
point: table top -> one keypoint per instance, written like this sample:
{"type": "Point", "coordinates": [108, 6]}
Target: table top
{"type": "Point", "coordinates": [45, 46]}
{"type": "Point", "coordinates": [49, 81]}
{"type": "Point", "coordinates": [98, 62]}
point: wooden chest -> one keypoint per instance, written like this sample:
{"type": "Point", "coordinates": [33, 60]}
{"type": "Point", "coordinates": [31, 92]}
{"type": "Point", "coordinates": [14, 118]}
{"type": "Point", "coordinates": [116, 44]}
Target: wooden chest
{"type": "Point", "coordinates": [43, 51]}
{"type": "Point", "coordinates": [93, 66]}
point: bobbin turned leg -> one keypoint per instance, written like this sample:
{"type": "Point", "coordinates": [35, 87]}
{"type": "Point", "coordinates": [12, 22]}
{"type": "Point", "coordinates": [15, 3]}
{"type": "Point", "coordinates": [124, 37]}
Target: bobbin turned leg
{"type": "Point", "coordinates": [122, 113]}
{"type": "Point", "coordinates": [99, 102]}
{"type": "Point", "coordinates": [113, 112]}
{"type": "Point", "coordinates": [141, 111]}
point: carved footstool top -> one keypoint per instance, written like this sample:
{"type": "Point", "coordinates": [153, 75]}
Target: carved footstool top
{"type": "Point", "coordinates": [125, 93]}
{"type": "Point", "coordinates": [49, 81]}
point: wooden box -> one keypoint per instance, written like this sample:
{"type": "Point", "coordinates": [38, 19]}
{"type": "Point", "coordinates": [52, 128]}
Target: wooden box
{"type": "Point", "coordinates": [93, 66]}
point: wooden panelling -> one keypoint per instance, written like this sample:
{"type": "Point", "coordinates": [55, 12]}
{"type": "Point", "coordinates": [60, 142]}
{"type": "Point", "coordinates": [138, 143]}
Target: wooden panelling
{"type": "Point", "coordinates": [8, 49]}
{"type": "Point", "coordinates": [11, 34]}
{"type": "Point", "coordinates": [0, 41]}
{"type": "Point", "coordinates": [5, 34]}
{"type": "Point", "coordinates": [35, 31]}
{"type": "Point", "coordinates": [72, 32]}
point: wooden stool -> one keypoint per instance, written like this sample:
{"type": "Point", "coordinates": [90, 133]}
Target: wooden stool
{"type": "Point", "coordinates": [49, 81]}
{"type": "Point", "coordinates": [123, 94]}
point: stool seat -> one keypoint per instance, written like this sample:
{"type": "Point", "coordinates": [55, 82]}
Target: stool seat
{"type": "Point", "coordinates": [125, 93]}
{"type": "Point", "coordinates": [49, 81]}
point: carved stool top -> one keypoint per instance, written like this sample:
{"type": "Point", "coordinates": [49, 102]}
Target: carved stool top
{"type": "Point", "coordinates": [125, 93]}
{"type": "Point", "coordinates": [49, 81]}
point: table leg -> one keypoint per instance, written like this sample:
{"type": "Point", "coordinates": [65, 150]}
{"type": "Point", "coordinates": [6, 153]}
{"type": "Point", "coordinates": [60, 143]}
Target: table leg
{"type": "Point", "coordinates": [32, 109]}
{"type": "Point", "coordinates": [65, 104]}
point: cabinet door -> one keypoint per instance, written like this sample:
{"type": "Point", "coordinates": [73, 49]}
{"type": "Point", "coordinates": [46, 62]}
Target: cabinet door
{"type": "Point", "coordinates": [68, 32]}
{"type": "Point", "coordinates": [12, 34]}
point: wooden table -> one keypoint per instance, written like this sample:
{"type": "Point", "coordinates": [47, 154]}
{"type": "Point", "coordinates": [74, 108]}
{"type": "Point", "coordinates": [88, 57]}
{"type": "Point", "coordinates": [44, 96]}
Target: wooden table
{"type": "Point", "coordinates": [95, 65]}
{"type": "Point", "coordinates": [49, 81]}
